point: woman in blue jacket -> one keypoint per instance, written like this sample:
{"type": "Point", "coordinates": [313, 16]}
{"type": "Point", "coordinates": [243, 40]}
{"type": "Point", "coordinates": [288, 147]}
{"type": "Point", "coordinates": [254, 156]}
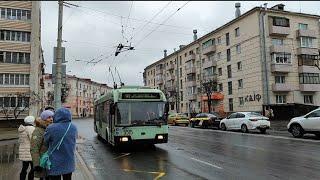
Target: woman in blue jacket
{"type": "Point", "coordinates": [63, 157]}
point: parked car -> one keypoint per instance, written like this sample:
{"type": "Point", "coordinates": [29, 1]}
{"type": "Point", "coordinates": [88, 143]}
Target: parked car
{"type": "Point", "coordinates": [245, 121]}
{"type": "Point", "coordinates": [178, 118]}
{"type": "Point", "coordinates": [309, 123]}
{"type": "Point", "coordinates": [205, 120]}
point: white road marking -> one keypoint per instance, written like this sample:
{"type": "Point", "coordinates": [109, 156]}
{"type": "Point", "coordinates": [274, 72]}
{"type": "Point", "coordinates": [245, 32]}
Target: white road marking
{"type": "Point", "coordinates": [122, 156]}
{"type": "Point", "coordinates": [215, 166]}
{"type": "Point", "coordinates": [258, 135]}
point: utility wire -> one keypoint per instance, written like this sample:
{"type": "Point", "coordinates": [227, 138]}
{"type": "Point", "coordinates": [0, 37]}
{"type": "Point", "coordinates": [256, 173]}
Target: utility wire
{"type": "Point", "coordinates": [140, 29]}
{"type": "Point", "coordinates": [162, 23]}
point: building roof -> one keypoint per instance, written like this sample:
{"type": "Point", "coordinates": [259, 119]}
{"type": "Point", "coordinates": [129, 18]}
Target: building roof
{"type": "Point", "coordinates": [229, 23]}
{"type": "Point", "coordinates": [49, 76]}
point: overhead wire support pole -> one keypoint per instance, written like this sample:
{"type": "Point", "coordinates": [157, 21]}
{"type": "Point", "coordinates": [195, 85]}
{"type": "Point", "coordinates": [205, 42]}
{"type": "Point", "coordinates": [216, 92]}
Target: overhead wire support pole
{"type": "Point", "coordinates": [58, 85]}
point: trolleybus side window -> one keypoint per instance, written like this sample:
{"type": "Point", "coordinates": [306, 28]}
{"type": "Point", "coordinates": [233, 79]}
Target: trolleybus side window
{"type": "Point", "coordinates": [106, 111]}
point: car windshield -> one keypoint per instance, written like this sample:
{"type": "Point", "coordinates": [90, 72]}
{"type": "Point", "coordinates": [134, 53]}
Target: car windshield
{"type": "Point", "coordinates": [140, 113]}
{"type": "Point", "coordinates": [252, 114]}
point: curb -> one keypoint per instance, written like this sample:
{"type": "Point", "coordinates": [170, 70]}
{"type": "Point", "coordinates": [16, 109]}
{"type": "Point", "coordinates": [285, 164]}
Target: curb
{"type": "Point", "coordinates": [8, 139]}
{"type": "Point", "coordinates": [86, 171]}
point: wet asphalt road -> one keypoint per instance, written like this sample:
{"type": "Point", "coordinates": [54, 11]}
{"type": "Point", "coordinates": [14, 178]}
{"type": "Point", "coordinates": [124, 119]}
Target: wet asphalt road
{"type": "Point", "coordinates": [203, 154]}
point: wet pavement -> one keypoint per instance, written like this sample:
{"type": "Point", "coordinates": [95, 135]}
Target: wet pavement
{"type": "Point", "coordinates": [203, 154]}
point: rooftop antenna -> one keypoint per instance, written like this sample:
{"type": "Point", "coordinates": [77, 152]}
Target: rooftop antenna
{"type": "Point", "coordinates": [114, 82]}
{"type": "Point", "coordinates": [121, 83]}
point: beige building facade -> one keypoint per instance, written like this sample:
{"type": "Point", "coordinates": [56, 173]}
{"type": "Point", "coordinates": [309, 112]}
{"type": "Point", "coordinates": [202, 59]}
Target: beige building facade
{"type": "Point", "coordinates": [21, 59]}
{"type": "Point", "coordinates": [265, 58]}
{"type": "Point", "coordinates": [80, 94]}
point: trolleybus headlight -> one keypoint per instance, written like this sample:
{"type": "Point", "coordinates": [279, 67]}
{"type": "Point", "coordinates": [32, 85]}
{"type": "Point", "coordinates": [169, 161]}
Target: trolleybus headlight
{"type": "Point", "coordinates": [124, 139]}
{"type": "Point", "coordinates": [160, 137]}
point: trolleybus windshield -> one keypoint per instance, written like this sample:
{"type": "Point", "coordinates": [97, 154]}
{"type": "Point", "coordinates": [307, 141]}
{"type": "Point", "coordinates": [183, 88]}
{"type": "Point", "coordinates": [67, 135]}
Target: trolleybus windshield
{"type": "Point", "coordinates": [140, 113]}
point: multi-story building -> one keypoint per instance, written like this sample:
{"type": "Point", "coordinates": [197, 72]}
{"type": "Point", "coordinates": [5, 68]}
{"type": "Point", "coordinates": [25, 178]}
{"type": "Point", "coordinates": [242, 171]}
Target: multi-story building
{"type": "Point", "coordinates": [264, 58]}
{"type": "Point", "coordinates": [80, 94]}
{"type": "Point", "coordinates": [21, 60]}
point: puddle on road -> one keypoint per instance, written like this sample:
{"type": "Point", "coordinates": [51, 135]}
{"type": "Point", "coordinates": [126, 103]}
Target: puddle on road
{"type": "Point", "coordinates": [9, 162]}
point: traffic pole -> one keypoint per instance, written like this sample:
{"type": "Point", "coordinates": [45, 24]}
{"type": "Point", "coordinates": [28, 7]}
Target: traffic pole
{"type": "Point", "coordinates": [58, 85]}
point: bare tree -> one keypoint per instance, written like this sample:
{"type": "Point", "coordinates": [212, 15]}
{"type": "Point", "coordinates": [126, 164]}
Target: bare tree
{"type": "Point", "coordinates": [208, 87]}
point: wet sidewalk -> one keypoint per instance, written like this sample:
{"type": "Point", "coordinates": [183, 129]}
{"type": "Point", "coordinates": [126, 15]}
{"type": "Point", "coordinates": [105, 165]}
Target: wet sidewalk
{"type": "Point", "coordinates": [10, 165]}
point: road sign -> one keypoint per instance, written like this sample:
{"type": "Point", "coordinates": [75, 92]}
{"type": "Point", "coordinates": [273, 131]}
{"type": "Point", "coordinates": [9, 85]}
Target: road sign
{"type": "Point", "coordinates": [63, 71]}
{"type": "Point", "coordinates": [63, 55]}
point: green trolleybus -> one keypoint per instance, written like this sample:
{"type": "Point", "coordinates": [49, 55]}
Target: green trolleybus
{"type": "Point", "coordinates": [132, 114]}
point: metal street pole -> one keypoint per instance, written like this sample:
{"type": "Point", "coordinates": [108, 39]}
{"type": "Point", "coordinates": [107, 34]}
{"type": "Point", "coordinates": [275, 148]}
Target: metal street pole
{"type": "Point", "coordinates": [58, 85]}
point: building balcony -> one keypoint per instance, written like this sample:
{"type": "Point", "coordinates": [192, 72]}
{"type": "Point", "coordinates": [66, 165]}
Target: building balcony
{"type": "Point", "coordinates": [159, 71]}
{"type": "Point", "coordinates": [213, 77]}
{"type": "Point", "coordinates": [190, 57]}
{"type": "Point", "coordinates": [191, 70]}
{"type": "Point", "coordinates": [170, 77]}
{"type": "Point", "coordinates": [308, 69]}
{"type": "Point", "coordinates": [279, 48]}
{"type": "Point", "coordinates": [309, 51]}
{"type": "Point", "coordinates": [310, 87]}
{"type": "Point", "coordinates": [170, 66]}
{"type": "Point", "coordinates": [192, 96]}
{"type": "Point", "coordinates": [209, 50]}
{"type": "Point", "coordinates": [306, 33]}
{"type": "Point", "coordinates": [160, 81]}
{"type": "Point", "coordinates": [191, 83]}
{"type": "Point", "coordinates": [278, 30]}
{"type": "Point", "coordinates": [282, 87]}
{"type": "Point", "coordinates": [281, 68]}
{"type": "Point", "coordinates": [209, 63]}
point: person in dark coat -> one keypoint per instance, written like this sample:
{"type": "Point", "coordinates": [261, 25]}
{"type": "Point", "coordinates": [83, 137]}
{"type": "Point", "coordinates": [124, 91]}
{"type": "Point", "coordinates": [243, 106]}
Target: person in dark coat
{"type": "Point", "coordinates": [62, 158]}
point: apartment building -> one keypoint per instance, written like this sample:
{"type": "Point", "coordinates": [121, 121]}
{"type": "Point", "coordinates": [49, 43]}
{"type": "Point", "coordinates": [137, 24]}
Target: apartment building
{"type": "Point", "coordinates": [80, 94]}
{"type": "Point", "coordinates": [264, 58]}
{"type": "Point", "coordinates": [21, 60]}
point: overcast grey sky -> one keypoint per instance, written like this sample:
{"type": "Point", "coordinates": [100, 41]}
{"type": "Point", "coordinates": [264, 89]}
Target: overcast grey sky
{"type": "Point", "coordinates": [94, 30]}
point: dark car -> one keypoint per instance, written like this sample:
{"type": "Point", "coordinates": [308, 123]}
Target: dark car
{"type": "Point", "coordinates": [206, 120]}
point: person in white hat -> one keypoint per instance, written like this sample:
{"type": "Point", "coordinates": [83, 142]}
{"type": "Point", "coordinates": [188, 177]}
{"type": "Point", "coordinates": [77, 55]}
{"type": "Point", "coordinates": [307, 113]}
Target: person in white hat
{"type": "Point", "coordinates": [25, 133]}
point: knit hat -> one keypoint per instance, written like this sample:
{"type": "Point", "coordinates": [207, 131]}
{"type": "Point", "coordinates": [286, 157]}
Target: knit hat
{"type": "Point", "coordinates": [29, 120]}
{"type": "Point", "coordinates": [46, 114]}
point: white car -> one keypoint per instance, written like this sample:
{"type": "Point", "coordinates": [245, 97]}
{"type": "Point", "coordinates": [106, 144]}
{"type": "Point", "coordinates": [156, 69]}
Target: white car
{"type": "Point", "coordinates": [245, 121]}
{"type": "Point", "coordinates": [309, 123]}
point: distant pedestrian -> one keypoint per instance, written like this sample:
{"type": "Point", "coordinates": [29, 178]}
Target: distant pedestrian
{"type": "Point", "coordinates": [60, 137]}
{"type": "Point", "coordinates": [271, 114]}
{"type": "Point", "coordinates": [25, 132]}
{"type": "Point", "coordinates": [37, 142]}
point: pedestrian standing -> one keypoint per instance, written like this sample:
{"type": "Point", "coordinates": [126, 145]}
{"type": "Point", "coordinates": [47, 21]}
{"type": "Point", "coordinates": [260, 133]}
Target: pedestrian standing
{"type": "Point", "coordinates": [38, 146]}
{"type": "Point", "coordinates": [271, 114]}
{"type": "Point", "coordinates": [25, 132]}
{"type": "Point", "coordinates": [60, 138]}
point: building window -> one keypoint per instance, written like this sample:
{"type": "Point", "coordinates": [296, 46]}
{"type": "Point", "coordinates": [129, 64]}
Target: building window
{"type": "Point", "coordinates": [276, 41]}
{"type": "Point", "coordinates": [237, 32]}
{"type": "Point", "coordinates": [306, 42]}
{"type": "Point", "coordinates": [239, 65]}
{"type": "Point", "coordinates": [219, 40]}
{"type": "Point", "coordinates": [280, 21]}
{"type": "Point", "coordinates": [208, 43]}
{"type": "Point", "coordinates": [230, 87]}
{"type": "Point", "coordinates": [229, 71]}
{"type": "Point", "coordinates": [15, 14]}
{"type": "Point", "coordinates": [228, 55]}
{"type": "Point", "coordinates": [308, 99]}
{"type": "Point", "coordinates": [227, 39]}
{"type": "Point", "coordinates": [280, 79]}
{"type": "Point", "coordinates": [220, 86]}
{"type": "Point", "coordinates": [303, 26]}
{"type": "Point", "coordinates": [14, 79]}
{"type": "Point", "coordinates": [281, 58]}
{"type": "Point", "coordinates": [308, 60]}
{"type": "Point", "coordinates": [219, 55]}
{"type": "Point", "coordinates": [241, 101]}
{"type": "Point", "coordinates": [230, 104]}
{"type": "Point", "coordinates": [181, 84]}
{"type": "Point", "coordinates": [309, 78]}
{"type": "Point", "coordinates": [15, 57]}
{"type": "Point", "coordinates": [238, 48]}
{"type": "Point", "coordinates": [13, 36]}
{"type": "Point", "coordinates": [281, 99]}
{"type": "Point", "coordinates": [240, 84]}
{"type": "Point", "coordinates": [220, 71]}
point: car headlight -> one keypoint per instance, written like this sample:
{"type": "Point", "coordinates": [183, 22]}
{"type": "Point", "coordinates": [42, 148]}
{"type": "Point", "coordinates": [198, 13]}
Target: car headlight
{"type": "Point", "coordinates": [160, 137]}
{"type": "Point", "coordinates": [124, 139]}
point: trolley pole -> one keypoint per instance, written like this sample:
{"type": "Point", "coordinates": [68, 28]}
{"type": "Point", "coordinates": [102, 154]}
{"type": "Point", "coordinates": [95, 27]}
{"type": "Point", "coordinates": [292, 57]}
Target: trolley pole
{"type": "Point", "coordinates": [58, 85]}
